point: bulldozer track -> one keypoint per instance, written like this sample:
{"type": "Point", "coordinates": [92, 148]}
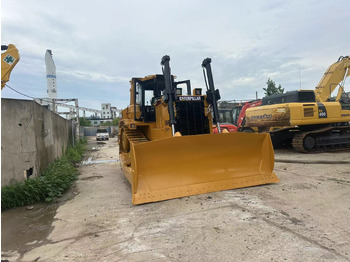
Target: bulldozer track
{"type": "Point", "coordinates": [128, 136]}
{"type": "Point", "coordinates": [298, 142]}
{"type": "Point", "coordinates": [135, 136]}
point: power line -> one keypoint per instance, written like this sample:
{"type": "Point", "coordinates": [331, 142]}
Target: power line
{"type": "Point", "coordinates": [48, 100]}
{"type": "Point", "coordinates": [19, 92]}
{"type": "Point", "coordinates": [44, 99]}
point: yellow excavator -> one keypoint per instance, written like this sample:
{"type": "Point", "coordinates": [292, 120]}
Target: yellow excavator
{"type": "Point", "coordinates": [313, 120]}
{"type": "Point", "coordinates": [9, 59]}
{"type": "Point", "coordinates": [167, 147]}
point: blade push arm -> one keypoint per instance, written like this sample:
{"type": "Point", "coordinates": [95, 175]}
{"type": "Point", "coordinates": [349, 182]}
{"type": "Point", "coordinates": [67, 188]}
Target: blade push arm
{"type": "Point", "coordinates": [212, 95]}
{"type": "Point", "coordinates": [169, 90]}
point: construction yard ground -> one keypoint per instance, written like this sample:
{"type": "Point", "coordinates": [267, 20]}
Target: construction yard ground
{"type": "Point", "coordinates": [305, 217]}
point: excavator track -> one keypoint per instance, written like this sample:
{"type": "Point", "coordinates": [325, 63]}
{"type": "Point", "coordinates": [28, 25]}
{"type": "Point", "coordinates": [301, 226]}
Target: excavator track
{"type": "Point", "coordinates": [306, 142]}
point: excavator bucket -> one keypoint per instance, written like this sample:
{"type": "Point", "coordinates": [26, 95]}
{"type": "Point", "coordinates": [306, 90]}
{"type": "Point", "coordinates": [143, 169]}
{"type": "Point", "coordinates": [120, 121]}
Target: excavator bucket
{"type": "Point", "coordinates": [190, 165]}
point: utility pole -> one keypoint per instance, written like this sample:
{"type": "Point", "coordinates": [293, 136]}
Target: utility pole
{"type": "Point", "coordinates": [77, 119]}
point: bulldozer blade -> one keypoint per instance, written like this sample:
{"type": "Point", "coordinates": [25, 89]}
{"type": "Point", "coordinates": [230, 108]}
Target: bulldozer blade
{"type": "Point", "coordinates": [190, 165]}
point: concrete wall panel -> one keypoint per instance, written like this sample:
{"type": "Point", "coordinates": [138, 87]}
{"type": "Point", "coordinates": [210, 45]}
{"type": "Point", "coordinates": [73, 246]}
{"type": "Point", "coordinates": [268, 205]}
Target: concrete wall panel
{"type": "Point", "coordinates": [31, 138]}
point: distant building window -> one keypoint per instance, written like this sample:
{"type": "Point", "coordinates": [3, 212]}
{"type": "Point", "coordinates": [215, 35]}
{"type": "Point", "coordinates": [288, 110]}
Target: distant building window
{"type": "Point", "coordinates": [95, 122]}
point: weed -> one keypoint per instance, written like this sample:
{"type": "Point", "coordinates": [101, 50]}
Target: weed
{"type": "Point", "coordinates": [54, 180]}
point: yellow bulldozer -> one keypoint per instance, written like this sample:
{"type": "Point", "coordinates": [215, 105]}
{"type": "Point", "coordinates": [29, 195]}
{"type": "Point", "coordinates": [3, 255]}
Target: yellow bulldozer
{"type": "Point", "coordinates": [167, 147]}
{"type": "Point", "coordinates": [9, 59]}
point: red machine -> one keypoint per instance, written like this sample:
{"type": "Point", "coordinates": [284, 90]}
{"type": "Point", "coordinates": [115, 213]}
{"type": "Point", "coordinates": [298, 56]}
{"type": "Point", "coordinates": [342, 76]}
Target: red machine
{"type": "Point", "coordinates": [225, 126]}
{"type": "Point", "coordinates": [232, 115]}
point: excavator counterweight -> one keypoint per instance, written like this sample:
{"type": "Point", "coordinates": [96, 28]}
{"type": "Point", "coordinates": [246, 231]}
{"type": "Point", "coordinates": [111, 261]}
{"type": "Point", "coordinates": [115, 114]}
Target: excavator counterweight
{"type": "Point", "coordinates": [168, 148]}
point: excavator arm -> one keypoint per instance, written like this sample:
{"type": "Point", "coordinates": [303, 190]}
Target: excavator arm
{"type": "Point", "coordinates": [334, 76]}
{"type": "Point", "coordinates": [9, 59]}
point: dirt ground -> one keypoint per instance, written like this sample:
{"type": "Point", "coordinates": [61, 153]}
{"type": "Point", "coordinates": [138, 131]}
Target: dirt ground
{"type": "Point", "coordinates": [305, 217]}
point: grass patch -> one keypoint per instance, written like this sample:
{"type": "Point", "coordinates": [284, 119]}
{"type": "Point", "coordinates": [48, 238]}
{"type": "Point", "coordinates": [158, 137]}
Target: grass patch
{"type": "Point", "coordinates": [54, 180]}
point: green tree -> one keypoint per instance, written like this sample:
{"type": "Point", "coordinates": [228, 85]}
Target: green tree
{"type": "Point", "coordinates": [107, 123]}
{"type": "Point", "coordinates": [84, 122]}
{"type": "Point", "coordinates": [114, 122]}
{"type": "Point", "coordinates": [271, 88]}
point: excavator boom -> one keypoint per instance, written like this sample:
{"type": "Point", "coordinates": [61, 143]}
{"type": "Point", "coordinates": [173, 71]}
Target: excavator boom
{"type": "Point", "coordinates": [334, 76]}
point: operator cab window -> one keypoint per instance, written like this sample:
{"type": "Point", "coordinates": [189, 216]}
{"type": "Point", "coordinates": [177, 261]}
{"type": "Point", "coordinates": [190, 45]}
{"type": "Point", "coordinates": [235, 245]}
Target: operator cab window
{"type": "Point", "coordinates": [307, 97]}
{"type": "Point", "coordinates": [235, 115]}
{"type": "Point", "coordinates": [148, 97]}
{"type": "Point", "coordinates": [138, 93]}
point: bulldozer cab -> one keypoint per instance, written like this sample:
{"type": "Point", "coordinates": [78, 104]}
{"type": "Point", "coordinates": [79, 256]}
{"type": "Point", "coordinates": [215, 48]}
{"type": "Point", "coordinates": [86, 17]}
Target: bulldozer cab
{"type": "Point", "coordinates": [146, 92]}
{"type": "Point", "coordinates": [189, 111]}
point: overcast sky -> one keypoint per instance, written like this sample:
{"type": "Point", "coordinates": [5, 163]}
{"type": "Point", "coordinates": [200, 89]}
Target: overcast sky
{"type": "Point", "coordinates": [98, 46]}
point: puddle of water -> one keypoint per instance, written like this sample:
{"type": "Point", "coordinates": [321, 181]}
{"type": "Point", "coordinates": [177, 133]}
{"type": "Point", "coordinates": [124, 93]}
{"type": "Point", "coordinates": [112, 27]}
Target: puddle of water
{"type": "Point", "coordinates": [105, 161]}
{"type": "Point", "coordinates": [25, 228]}
{"type": "Point", "coordinates": [92, 149]}
{"type": "Point", "coordinates": [87, 162]}
{"type": "Point", "coordinates": [22, 229]}
{"type": "Point", "coordinates": [90, 161]}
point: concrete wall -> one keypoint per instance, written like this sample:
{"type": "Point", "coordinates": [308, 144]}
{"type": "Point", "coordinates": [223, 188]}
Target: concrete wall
{"type": "Point", "coordinates": [31, 138]}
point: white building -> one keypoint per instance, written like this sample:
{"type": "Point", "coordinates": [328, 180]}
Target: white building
{"type": "Point", "coordinates": [106, 110]}
{"type": "Point", "coordinates": [114, 111]}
